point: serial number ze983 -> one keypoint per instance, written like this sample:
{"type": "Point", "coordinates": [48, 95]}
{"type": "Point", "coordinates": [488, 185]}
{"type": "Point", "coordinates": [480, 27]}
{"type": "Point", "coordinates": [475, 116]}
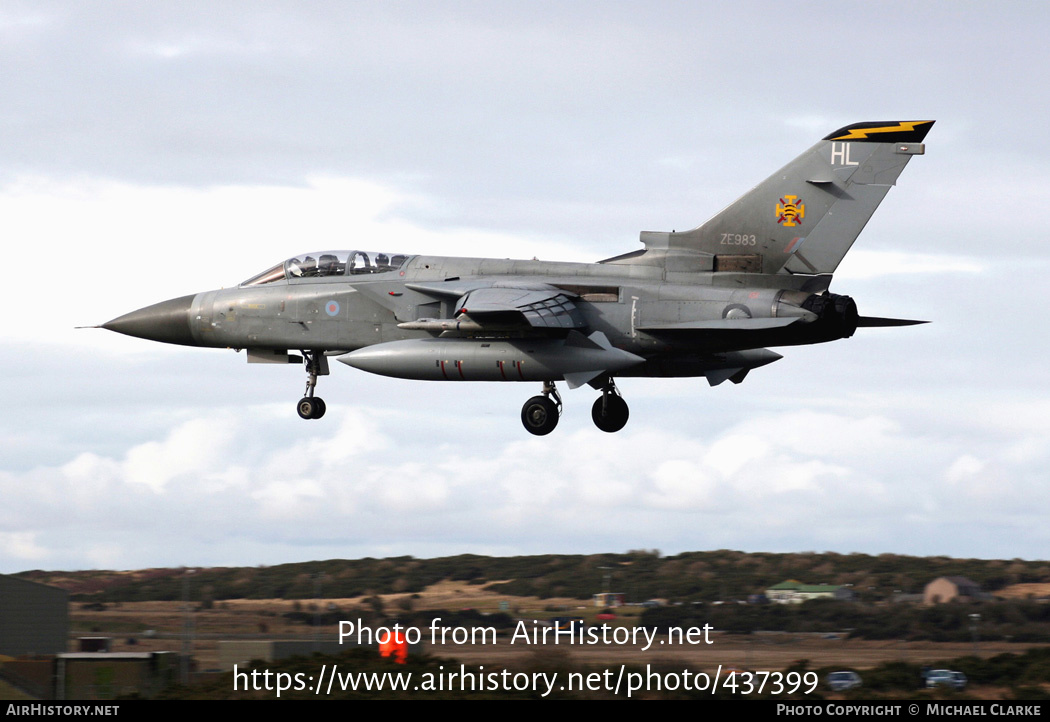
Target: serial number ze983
{"type": "Point", "coordinates": [739, 239]}
{"type": "Point", "coordinates": [771, 682]}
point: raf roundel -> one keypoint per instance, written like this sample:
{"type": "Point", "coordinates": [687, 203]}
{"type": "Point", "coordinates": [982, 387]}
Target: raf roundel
{"type": "Point", "coordinates": [331, 308]}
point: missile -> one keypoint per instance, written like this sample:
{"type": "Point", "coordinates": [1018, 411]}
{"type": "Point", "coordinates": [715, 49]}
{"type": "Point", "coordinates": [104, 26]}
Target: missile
{"type": "Point", "coordinates": [460, 324]}
{"type": "Point", "coordinates": [576, 359]}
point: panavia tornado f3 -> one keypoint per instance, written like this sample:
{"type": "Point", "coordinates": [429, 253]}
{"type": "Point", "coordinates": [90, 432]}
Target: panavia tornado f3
{"type": "Point", "coordinates": [705, 302]}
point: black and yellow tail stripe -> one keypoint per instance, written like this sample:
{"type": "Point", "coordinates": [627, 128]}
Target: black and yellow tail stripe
{"type": "Point", "coordinates": [892, 131]}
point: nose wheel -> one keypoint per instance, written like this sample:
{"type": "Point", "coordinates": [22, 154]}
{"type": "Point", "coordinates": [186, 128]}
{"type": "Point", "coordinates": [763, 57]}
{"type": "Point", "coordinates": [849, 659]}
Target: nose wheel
{"type": "Point", "coordinates": [540, 414]}
{"type": "Point", "coordinates": [610, 412]}
{"type": "Point", "coordinates": [310, 406]}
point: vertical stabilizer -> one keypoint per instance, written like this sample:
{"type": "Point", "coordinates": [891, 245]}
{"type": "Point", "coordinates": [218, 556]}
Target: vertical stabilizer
{"type": "Point", "coordinates": [805, 217]}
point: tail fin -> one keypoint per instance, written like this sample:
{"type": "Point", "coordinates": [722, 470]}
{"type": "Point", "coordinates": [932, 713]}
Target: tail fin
{"type": "Point", "coordinates": [805, 217]}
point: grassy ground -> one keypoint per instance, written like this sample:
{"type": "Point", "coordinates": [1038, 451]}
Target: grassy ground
{"type": "Point", "coordinates": [261, 619]}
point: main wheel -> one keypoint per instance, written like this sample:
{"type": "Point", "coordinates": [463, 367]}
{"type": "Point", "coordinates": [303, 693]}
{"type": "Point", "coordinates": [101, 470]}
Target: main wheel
{"type": "Point", "coordinates": [319, 408]}
{"type": "Point", "coordinates": [539, 415]}
{"type": "Point", "coordinates": [615, 416]}
{"type": "Point", "coordinates": [310, 407]}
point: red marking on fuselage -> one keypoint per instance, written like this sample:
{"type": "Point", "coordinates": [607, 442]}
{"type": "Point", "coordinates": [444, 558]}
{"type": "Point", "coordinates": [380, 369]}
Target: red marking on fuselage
{"type": "Point", "coordinates": [443, 370]}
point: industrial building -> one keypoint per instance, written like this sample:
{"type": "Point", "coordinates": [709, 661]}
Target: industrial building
{"type": "Point", "coordinates": [34, 618]}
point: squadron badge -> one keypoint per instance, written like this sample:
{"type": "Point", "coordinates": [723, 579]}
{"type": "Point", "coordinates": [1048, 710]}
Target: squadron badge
{"type": "Point", "coordinates": [790, 211]}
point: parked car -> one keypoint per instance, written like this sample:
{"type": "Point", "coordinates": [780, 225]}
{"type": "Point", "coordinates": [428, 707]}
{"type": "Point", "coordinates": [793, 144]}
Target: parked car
{"type": "Point", "coordinates": [946, 678]}
{"type": "Point", "coordinates": [841, 681]}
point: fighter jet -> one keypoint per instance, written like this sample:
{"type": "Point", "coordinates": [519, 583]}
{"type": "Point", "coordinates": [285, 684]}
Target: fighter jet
{"type": "Point", "coordinates": [704, 302]}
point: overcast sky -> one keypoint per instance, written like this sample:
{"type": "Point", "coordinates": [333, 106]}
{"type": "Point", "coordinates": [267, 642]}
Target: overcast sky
{"type": "Point", "coordinates": [153, 150]}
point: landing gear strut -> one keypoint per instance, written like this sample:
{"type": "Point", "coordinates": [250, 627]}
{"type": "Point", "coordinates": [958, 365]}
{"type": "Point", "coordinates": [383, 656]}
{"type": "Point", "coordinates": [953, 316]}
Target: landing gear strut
{"type": "Point", "coordinates": [610, 412]}
{"type": "Point", "coordinates": [310, 406]}
{"type": "Point", "coordinates": [540, 414]}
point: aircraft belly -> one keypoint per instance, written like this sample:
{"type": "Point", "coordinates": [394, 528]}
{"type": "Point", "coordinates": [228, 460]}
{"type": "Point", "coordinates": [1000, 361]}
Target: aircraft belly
{"type": "Point", "coordinates": [684, 365]}
{"type": "Point", "coordinates": [326, 335]}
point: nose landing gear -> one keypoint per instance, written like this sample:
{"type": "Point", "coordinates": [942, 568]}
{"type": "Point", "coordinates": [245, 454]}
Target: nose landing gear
{"type": "Point", "coordinates": [310, 406]}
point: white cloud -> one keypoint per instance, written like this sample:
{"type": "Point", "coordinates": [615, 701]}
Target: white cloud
{"type": "Point", "coordinates": [964, 468]}
{"type": "Point", "coordinates": [731, 453]}
{"type": "Point", "coordinates": [289, 501]}
{"type": "Point", "coordinates": [862, 264]}
{"type": "Point", "coordinates": [354, 481]}
{"type": "Point", "coordinates": [193, 448]}
{"type": "Point", "coordinates": [21, 547]}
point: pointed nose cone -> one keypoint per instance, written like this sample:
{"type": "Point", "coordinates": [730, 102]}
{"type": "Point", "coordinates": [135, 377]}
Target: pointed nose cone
{"type": "Point", "coordinates": [168, 322]}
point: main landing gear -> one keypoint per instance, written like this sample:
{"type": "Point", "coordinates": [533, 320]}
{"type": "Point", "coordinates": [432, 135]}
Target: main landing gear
{"type": "Point", "coordinates": [610, 412]}
{"type": "Point", "coordinates": [540, 414]}
{"type": "Point", "coordinates": [310, 406]}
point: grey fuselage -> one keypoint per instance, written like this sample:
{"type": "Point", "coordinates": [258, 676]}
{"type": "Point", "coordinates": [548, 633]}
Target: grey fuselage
{"type": "Point", "coordinates": [339, 314]}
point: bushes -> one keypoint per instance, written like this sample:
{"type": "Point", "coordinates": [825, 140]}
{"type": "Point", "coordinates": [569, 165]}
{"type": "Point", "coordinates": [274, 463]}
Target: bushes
{"type": "Point", "coordinates": [1018, 621]}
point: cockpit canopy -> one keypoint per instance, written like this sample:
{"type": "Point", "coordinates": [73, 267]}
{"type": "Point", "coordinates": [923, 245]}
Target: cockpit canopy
{"type": "Point", "coordinates": [330, 263]}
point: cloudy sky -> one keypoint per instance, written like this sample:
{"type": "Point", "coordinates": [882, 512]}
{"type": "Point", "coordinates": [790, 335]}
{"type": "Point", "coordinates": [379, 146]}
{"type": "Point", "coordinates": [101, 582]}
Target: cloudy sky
{"type": "Point", "coordinates": [152, 150]}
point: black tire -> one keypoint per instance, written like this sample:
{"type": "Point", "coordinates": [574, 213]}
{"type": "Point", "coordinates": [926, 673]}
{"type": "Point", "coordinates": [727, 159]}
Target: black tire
{"type": "Point", "coordinates": [319, 408]}
{"type": "Point", "coordinates": [615, 416]}
{"type": "Point", "coordinates": [307, 407]}
{"type": "Point", "coordinates": [539, 415]}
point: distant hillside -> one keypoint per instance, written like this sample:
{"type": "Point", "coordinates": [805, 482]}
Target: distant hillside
{"type": "Point", "coordinates": [640, 575]}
